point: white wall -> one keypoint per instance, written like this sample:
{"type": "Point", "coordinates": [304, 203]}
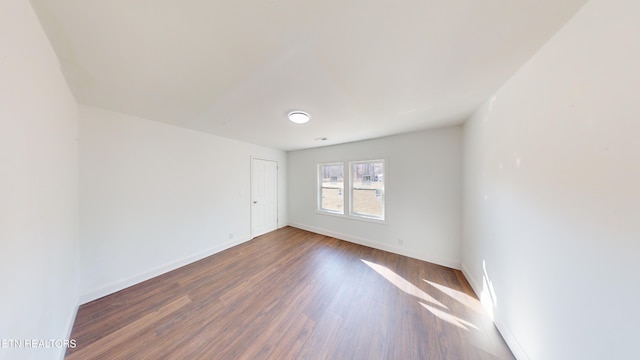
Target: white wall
{"type": "Point", "coordinates": [423, 194]}
{"type": "Point", "coordinates": [38, 188]}
{"type": "Point", "coordinates": [155, 196]}
{"type": "Point", "coordinates": [552, 192]}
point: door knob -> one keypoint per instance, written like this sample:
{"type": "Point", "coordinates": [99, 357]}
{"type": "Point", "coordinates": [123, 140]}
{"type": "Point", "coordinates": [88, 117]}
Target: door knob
{"type": "Point", "coordinates": [255, 202]}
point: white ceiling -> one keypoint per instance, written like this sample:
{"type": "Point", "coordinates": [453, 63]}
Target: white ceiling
{"type": "Point", "coordinates": [361, 68]}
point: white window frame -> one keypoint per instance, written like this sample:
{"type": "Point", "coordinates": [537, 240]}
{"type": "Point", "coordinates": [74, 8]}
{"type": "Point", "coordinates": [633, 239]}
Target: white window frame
{"type": "Point", "coordinates": [351, 212]}
{"type": "Point", "coordinates": [319, 188]}
{"type": "Point", "coordinates": [347, 194]}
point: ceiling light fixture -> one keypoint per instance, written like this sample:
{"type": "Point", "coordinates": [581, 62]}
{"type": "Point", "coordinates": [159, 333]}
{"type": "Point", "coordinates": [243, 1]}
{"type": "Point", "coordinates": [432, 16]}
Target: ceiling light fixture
{"type": "Point", "coordinates": [299, 117]}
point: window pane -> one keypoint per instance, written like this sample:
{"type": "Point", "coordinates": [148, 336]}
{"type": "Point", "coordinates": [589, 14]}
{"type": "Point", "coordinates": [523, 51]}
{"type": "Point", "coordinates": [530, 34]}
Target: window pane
{"type": "Point", "coordinates": [368, 189]}
{"type": "Point", "coordinates": [331, 188]}
{"type": "Point", "coordinates": [332, 200]}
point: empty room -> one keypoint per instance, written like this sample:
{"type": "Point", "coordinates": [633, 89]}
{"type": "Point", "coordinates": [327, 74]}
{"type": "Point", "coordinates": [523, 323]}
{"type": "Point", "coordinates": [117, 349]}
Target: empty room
{"type": "Point", "coordinates": [319, 179]}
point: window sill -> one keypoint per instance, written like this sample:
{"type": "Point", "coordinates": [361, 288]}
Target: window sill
{"type": "Point", "coordinates": [352, 217]}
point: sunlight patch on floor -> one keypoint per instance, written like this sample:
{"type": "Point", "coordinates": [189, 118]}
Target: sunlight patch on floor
{"type": "Point", "coordinates": [403, 284]}
{"type": "Point", "coordinates": [451, 319]}
{"type": "Point", "coordinates": [461, 297]}
{"type": "Point", "coordinates": [411, 289]}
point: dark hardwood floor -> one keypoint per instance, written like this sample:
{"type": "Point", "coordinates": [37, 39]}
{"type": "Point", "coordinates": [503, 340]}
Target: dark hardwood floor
{"type": "Point", "coordinates": [292, 294]}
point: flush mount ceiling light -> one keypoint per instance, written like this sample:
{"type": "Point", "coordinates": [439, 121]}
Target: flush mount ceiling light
{"type": "Point", "coordinates": [299, 117]}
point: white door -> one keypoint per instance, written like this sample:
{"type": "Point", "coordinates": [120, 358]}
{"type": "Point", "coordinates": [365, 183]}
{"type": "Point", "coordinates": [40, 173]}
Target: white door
{"type": "Point", "coordinates": [264, 196]}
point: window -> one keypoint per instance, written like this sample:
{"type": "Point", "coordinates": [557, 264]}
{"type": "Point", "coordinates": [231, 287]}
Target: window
{"type": "Point", "coordinates": [365, 197]}
{"type": "Point", "coordinates": [367, 189]}
{"type": "Point", "coordinates": [331, 188]}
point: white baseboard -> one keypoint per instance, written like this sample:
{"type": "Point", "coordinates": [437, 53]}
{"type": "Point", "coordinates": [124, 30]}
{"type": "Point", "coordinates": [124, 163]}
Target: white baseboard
{"type": "Point", "coordinates": [70, 322]}
{"type": "Point", "coordinates": [455, 264]}
{"type": "Point", "coordinates": [123, 284]}
{"type": "Point", "coordinates": [508, 337]}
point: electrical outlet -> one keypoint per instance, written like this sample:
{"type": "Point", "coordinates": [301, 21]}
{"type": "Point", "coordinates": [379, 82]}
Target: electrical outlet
{"type": "Point", "coordinates": [400, 241]}
{"type": "Point", "coordinates": [230, 236]}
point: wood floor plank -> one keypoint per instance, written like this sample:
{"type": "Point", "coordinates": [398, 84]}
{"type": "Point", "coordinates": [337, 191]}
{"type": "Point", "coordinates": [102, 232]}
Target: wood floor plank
{"type": "Point", "coordinates": [292, 294]}
{"type": "Point", "coordinates": [129, 332]}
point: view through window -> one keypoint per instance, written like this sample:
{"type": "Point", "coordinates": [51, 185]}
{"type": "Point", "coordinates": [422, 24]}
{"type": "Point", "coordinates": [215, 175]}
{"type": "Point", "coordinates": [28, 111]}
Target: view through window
{"type": "Point", "coordinates": [367, 189]}
{"type": "Point", "coordinates": [365, 194]}
{"type": "Point", "coordinates": [331, 196]}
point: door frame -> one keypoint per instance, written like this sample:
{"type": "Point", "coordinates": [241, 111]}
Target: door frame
{"type": "Point", "coordinates": [252, 158]}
